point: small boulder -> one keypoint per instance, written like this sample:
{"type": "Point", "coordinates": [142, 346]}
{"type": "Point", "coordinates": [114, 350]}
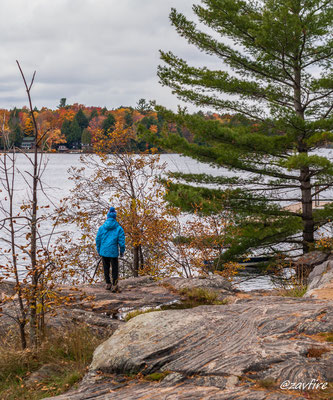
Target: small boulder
{"type": "Point", "coordinates": [44, 372]}
{"type": "Point", "coordinates": [320, 281]}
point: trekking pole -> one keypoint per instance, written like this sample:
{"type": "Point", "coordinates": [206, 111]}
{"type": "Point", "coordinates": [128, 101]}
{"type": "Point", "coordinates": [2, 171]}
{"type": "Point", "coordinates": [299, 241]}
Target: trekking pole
{"type": "Point", "coordinates": [96, 269]}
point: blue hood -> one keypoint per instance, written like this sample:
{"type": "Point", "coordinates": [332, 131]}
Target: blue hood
{"type": "Point", "coordinates": [110, 224]}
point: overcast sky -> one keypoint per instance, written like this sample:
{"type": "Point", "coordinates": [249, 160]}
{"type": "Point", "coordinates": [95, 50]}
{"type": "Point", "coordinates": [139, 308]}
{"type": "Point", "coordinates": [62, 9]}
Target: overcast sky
{"type": "Point", "coordinates": [93, 52]}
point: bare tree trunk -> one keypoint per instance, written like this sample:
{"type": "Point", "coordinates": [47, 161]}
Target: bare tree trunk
{"type": "Point", "coordinates": [136, 261]}
{"type": "Point", "coordinates": [305, 177]}
{"type": "Point", "coordinates": [141, 257]}
{"type": "Point", "coordinates": [33, 227]}
{"type": "Point", "coordinates": [307, 214]}
{"type": "Point", "coordinates": [33, 304]}
{"type": "Point", "coordinates": [22, 334]}
{"type": "Point", "coordinates": [10, 191]}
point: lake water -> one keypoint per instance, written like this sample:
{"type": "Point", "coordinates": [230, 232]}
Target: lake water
{"type": "Point", "coordinates": [57, 185]}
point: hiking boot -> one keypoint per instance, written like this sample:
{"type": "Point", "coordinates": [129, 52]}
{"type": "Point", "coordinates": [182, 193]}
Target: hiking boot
{"type": "Point", "coordinates": [115, 289]}
{"type": "Point", "coordinates": [108, 286]}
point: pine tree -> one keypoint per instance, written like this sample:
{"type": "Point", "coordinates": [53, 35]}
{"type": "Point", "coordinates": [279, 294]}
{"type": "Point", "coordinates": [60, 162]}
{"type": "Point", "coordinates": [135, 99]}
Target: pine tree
{"type": "Point", "coordinates": [93, 114]}
{"type": "Point", "coordinates": [72, 132]}
{"type": "Point", "coordinates": [81, 119]}
{"type": "Point", "coordinates": [143, 106]}
{"type": "Point", "coordinates": [86, 137]}
{"type": "Point", "coordinates": [108, 123]}
{"type": "Point", "coordinates": [17, 135]}
{"type": "Point", "coordinates": [128, 119]}
{"type": "Point", "coordinates": [277, 72]}
{"type": "Point", "coordinates": [74, 138]}
{"type": "Point", "coordinates": [62, 102]}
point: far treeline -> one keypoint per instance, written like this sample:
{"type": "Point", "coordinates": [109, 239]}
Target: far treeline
{"type": "Point", "coordinates": [77, 126]}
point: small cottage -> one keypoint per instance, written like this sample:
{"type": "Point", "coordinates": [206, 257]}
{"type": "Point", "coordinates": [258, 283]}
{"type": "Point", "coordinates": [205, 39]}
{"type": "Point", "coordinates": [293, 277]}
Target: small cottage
{"type": "Point", "coordinates": [28, 142]}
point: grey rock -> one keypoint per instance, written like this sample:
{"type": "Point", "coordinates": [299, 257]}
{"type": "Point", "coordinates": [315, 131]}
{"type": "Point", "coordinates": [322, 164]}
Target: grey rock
{"type": "Point", "coordinates": [44, 372]}
{"type": "Point", "coordinates": [100, 309]}
{"type": "Point", "coordinates": [210, 282]}
{"type": "Point", "coordinates": [116, 388]}
{"type": "Point", "coordinates": [320, 281]}
{"type": "Point", "coordinates": [135, 282]}
{"type": "Point", "coordinates": [312, 259]}
{"type": "Point", "coordinates": [218, 340]}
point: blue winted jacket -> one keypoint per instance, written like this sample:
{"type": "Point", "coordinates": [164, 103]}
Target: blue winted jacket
{"type": "Point", "coordinates": [110, 238]}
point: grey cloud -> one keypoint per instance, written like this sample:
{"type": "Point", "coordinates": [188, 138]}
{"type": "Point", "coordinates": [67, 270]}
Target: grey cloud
{"type": "Point", "coordinates": [94, 52]}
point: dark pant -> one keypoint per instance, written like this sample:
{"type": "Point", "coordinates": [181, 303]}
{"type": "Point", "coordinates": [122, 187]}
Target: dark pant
{"type": "Point", "coordinates": [115, 270]}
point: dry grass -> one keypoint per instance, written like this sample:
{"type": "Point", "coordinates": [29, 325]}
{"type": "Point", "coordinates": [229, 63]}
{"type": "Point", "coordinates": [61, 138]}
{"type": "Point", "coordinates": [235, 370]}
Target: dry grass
{"type": "Point", "coordinates": [156, 376]}
{"type": "Point", "coordinates": [70, 352]}
{"type": "Point", "coordinates": [317, 352]}
{"type": "Point", "coordinates": [135, 313]}
{"type": "Point", "coordinates": [199, 294]}
{"type": "Point", "coordinates": [296, 291]}
{"type": "Point", "coordinates": [326, 394]}
{"type": "Point", "coordinates": [169, 287]}
{"type": "Point", "coordinates": [267, 383]}
{"type": "Point", "coordinates": [328, 336]}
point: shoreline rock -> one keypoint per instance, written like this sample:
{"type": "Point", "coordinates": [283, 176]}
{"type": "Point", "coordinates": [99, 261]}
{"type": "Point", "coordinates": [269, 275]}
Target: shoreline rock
{"type": "Point", "coordinates": [320, 281]}
{"type": "Point", "coordinates": [217, 352]}
{"type": "Point", "coordinates": [214, 352]}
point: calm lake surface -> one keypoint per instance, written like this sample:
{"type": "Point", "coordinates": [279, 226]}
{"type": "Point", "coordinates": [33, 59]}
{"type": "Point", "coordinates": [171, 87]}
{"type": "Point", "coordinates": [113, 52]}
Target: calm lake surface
{"type": "Point", "coordinates": [57, 185]}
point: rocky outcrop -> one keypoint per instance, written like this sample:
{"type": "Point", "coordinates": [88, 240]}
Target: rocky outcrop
{"type": "Point", "coordinates": [173, 387]}
{"type": "Point", "coordinates": [101, 309]}
{"type": "Point", "coordinates": [320, 281]}
{"type": "Point", "coordinates": [104, 311]}
{"type": "Point", "coordinates": [215, 352]}
{"type": "Point", "coordinates": [220, 340]}
{"type": "Point", "coordinates": [225, 352]}
{"type": "Point", "coordinates": [209, 282]}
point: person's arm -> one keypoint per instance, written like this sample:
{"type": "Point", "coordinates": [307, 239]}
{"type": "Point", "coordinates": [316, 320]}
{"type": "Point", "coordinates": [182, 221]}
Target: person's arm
{"type": "Point", "coordinates": [121, 241]}
{"type": "Point", "coordinates": [98, 240]}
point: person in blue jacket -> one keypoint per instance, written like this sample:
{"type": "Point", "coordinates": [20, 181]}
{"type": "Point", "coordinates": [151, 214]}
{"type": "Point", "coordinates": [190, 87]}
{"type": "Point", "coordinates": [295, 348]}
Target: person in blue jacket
{"type": "Point", "coordinates": [109, 240]}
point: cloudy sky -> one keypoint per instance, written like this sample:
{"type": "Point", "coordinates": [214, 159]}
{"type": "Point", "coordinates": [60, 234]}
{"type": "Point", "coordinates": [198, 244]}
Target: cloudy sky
{"type": "Point", "coordinates": [93, 52]}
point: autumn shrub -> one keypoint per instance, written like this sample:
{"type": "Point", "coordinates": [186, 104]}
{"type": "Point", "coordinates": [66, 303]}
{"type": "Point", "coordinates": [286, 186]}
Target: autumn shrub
{"type": "Point", "coordinates": [324, 244]}
{"type": "Point", "coordinates": [69, 351]}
